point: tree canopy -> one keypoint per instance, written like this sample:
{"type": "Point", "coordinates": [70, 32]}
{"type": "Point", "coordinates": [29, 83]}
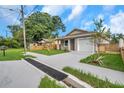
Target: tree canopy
{"type": "Point", "coordinates": [43, 25]}
{"type": "Point", "coordinates": [116, 37]}
{"type": "Point", "coordinates": [101, 32]}
{"type": "Point", "coordinates": [38, 25]}
{"type": "Point", "coordinates": [13, 29]}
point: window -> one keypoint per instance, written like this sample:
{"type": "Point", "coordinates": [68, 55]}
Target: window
{"type": "Point", "coordinates": [66, 42]}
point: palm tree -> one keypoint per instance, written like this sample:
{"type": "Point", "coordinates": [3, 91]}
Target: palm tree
{"type": "Point", "coordinates": [100, 33]}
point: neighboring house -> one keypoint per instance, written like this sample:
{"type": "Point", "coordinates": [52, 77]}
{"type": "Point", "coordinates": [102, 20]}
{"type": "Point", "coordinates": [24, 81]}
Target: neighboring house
{"type": "Point", "coordinates": [41, 45]}
{"type": "Point", "coordinates": [78, 40]}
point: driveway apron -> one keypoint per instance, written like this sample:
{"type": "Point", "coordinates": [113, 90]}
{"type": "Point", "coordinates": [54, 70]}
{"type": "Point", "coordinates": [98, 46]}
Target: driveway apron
{"type": "Point", "coordinates": [72, 59]}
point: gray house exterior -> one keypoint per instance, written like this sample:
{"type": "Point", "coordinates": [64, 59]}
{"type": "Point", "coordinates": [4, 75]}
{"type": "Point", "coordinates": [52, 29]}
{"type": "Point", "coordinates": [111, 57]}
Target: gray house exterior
{"type": "Point", "coordinates": [78, 40]}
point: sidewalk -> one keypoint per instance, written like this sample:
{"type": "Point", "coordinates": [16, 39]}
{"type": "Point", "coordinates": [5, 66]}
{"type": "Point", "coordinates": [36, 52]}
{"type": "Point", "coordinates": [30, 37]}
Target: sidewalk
{"type": "Point", "coordinates": [19, 74]}
{"type": "Point", "coordinates": [72, 59]}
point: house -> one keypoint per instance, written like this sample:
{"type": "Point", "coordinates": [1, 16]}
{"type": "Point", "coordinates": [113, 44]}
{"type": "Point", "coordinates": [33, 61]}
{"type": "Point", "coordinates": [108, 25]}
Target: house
{"type": "Point", "coordinates": [78, 40]}
{"type": "Point", "coordinates": [42, 44]}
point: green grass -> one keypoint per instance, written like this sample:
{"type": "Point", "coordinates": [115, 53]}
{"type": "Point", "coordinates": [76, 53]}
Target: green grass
{"type": "Point", "coordinates": [92, 80]}
{"type": "Point", "coordinates": [50, 52]}
{"type": "Point", "coordinates": [48, 83]}
{"type": "Point", "coordinates": [112, 61]}
{"type": "Point", "coordinates": [13, 54]}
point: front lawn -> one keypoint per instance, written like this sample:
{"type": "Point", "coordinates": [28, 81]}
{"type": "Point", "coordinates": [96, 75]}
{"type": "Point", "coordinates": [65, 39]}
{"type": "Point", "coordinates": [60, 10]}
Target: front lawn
{"type": "Point", "coordinates": [13, 54]}
{"type": "Point", "coordinates": [48, 52]}
{"type": "Point", "coordinates": [92, 80]}
{"type": "Point", "coordinates": [112, 61]}
{"type": "Point", "coordinates": [48, 83]}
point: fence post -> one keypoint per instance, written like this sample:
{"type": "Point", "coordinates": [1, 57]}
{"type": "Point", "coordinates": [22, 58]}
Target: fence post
{"type": "Point", "coordinates": [121, 46]}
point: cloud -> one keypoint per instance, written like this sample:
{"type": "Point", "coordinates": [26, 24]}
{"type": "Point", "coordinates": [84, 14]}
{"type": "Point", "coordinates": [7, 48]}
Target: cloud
{"type": "Point", "coordinates": [117, 23]}
{"type": "Point", "coordinates": [86, 25]}
{"type": "Point", "coordinates": [100, 16]}
{"type": "Point", "coordinates": [108, 7]}
{"type": "Point", "coordinates": [76, 11]}
{"type": "Point", "coordinates": [55, 9]}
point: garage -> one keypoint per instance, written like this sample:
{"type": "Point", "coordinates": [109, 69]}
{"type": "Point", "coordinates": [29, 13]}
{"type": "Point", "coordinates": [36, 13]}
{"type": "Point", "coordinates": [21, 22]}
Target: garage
{"type": "Point", "coordinates": [86, 45]}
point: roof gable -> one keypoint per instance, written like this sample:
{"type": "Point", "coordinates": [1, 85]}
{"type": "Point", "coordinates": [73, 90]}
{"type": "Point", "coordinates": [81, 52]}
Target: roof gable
{"type": "Point", "coordinates": [77, 32]}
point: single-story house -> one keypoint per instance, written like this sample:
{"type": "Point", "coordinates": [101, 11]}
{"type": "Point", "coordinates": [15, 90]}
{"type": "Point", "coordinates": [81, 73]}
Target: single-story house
{"type": "Point", "coordinates": [78, 40]}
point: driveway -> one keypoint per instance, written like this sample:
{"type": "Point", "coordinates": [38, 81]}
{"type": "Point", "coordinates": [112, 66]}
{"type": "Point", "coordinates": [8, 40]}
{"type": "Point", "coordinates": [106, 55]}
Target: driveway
{"type": "Point", "coordinates": [61, 60]}
{"type": "Point", "coordinates": [19, 74]}
{"type": "Point", "coordinates": [72, 59]}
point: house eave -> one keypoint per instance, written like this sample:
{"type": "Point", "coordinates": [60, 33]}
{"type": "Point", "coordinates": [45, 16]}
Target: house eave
{"type": "Point", "coordinates": [76, 36]}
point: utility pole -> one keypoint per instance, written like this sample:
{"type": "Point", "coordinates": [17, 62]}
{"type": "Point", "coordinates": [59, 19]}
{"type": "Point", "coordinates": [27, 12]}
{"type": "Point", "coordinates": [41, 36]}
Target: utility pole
{"type": "Point", "coordinates": [23, 24]}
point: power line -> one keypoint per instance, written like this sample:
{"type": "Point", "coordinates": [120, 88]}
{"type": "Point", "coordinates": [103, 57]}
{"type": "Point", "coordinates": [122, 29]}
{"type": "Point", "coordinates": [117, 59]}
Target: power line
{"type": "Point", "coordinates": [32, 10]}
{"type": "Point", "coordinates": [10, 9]}
{"type": "Point", "coordinates": [17, 18]}
{"type": "Point", "coordinates": [7, 15]}
{"type": "Point", "coordinates": [13, 10]}
{"type": "Point", "coordinates": [6, 8]}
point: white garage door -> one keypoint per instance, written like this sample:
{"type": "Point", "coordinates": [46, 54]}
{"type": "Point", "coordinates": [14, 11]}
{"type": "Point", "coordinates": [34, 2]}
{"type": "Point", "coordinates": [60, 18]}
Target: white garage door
{"type": "Point", "coordinates": [86, 45]}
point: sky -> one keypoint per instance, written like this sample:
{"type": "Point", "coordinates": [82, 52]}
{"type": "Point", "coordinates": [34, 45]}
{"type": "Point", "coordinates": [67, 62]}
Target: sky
{"type": "Point", "coordinates": [76, 16]}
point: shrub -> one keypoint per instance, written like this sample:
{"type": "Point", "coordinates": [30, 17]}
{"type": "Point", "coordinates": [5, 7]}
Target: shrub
{"type": "Point", "coordinates": [95, 59]}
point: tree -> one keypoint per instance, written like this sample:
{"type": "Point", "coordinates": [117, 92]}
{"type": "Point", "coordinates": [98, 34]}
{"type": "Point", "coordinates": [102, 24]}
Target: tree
{"type": "Point", "coordinates": [42, 25]}
{"type": "Point", "coordinates": [9, 42]}
{"type": "Point", "coordinates": [100, 32]}
{"type": "Point", "coordinates": [116, 37]}
{"type": "Point", "coordinates": [38, 26]}
{"type": "Point", "coordinates": [17, 33]}
{"type": "Point", "coordinates": [13, 29]}
{"type": "Point", "coordinates": [58, 25]}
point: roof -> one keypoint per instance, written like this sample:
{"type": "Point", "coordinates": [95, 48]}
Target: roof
{"type": "Point", "coordinates": [77, 33]}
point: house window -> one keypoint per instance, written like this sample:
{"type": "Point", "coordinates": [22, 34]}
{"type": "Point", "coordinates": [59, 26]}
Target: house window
{"type": "Point", "coordinates": [66, 42]}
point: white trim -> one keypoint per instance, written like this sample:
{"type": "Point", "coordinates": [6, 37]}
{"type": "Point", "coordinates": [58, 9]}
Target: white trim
{"type": "Point", "coordinates": [93, 46]}
{"type": "Point", "coordinates": [77, 44]}
{"type": "Point", "coordinates": [58, 44]}
{"type": "Point", "coordinates": [69, 45]}
{"type": "Point", "coordinates": [78, 36]}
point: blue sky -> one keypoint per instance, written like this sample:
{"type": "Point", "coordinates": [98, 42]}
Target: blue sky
{"type": "Point", "coordinates": [72, 16]}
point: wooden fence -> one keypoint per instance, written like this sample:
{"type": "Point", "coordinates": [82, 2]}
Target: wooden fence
{"type": "Point", "coordinates": [36, 46]}
{"type": "Point", "coordinates": [111, 48]}
{"type": "Point", "coordinates": [108, 47]}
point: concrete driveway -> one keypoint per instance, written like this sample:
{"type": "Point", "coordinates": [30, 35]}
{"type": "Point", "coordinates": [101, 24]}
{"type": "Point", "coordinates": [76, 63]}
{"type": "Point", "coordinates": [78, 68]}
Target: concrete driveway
{"type": "Point", "coordinates": [19, 74]}
{"type": "Point", "coordinates": [72, 59]}
{"type": "Point", "coordinates": [61, 60]}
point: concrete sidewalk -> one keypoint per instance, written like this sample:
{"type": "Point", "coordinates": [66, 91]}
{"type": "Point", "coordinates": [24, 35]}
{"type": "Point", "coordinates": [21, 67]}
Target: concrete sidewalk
{"type": "Point", "coordinates": [72, 59]}
{"type": "Point", "coordinates": [19, 74]}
